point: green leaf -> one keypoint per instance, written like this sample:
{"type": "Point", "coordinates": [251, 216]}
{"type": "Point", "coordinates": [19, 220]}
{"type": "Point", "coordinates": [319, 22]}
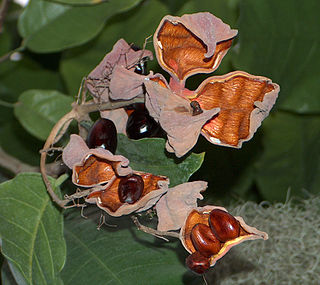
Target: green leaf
{"type": "Point", "coordinates": [280, 40]}
{"type": "Point", "coordinates": [31, 230]}
{"type": "Point", "coordinates": [120, 255]}
{"type": "Point", "coordinates": [48, 27]}
{"type": "Point", "coordinates": [39, 110]}
{"type": "Point", "coordinates": [79, 2]}
{"type": "Point", "coordinates": [291, 158]}
{"type": "Point", "coordinates": [16, 141]}
{"type": "Point", "coordinates": [149, 155]}
{"type": "Point", "coordinates": [24, 74]}
{"type": "Point", "coordinates": [134, 26]}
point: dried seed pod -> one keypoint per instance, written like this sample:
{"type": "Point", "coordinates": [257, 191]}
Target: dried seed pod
{"type": "Point", "coordinates": [198, 263]}
{"type": "Point", "coordinates": [204, 240]}
{"type": "Point", "coordinates": [93, 167]}
{"type": "Point", "coordinates": [201, 216]}
{"type": "Point", "coordinates": [108, 198]}
{"type": "Point", "coordinates": [224, 226]}
{"type": "Point", "coordinates": [130, 188]}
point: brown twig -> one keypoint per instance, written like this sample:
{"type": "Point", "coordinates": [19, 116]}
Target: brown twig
{"type": "Point", "coordinates": [151, 231]}
{"type": "Point", "coordinates": [14, 165]}
{"type": "Point", "coordinates": [79, 113]}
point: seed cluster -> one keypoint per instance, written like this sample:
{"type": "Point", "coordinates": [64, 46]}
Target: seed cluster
{"type": "Point", "coordinates": [208, 240]}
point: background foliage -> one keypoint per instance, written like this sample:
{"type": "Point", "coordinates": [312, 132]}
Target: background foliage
{"type": "Point", "coordinates": [57, 43]}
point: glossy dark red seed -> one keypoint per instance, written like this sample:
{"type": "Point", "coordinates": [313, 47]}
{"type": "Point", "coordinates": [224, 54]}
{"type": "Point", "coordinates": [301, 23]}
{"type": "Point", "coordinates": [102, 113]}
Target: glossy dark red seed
{"type": "Point", "coordinates": [198, 263]}
{"type": "Point", "coordinates": [130, 189]}
{"type": "Point", "coordinates": [103, 133]}
{"type": "Point", "coordinates": [204, 240]}
{"type": "Point", "coordinates": [223, 225]}
{"type": "Point", "coordinates": [141, 125]}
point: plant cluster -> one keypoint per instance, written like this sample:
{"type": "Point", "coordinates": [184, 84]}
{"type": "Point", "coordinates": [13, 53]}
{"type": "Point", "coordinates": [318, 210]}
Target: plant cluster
{"type": "Point", "coordinates": [227, 110]}
{"type": "Point", "coordinates": [133, 141]}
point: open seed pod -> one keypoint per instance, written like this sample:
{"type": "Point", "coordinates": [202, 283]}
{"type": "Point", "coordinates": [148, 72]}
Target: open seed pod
{"type": "Point", "coordinates": [93, 167]}
{"type": "Point", "coordinates": [244, 101]}
{"type": "Point", "coordinates": [231, 234]}
{"type": "Point", "coordinates": [176, 116]}
{"type": "Point", "coordinates": [191, 44]}
{"type": "Point", "coordinates": [111, 199]}
{"type": "Point", "coordinates": [116, 72]}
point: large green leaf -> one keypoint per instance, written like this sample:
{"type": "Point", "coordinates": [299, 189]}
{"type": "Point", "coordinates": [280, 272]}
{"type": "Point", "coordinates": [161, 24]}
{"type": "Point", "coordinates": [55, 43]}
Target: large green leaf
{"type": "Point", "coordinates": [79, 2]}
{"type": "Point", "coordinates": [280, 40]}
{"type": "Point", "coordinates": [31, 230]}
{"type": "Point", "coordinates": [39, 110]}
{"type": "Point", "coordinates": [134, 26]}
{"type": "Point", "coordinates": [47, 26]}
{"type": "Point", "coordinates": [291, 158]}
{"type": "Point", "coordinates": [24, 74]}
{"type": "Point", "coordinates": [120, 255]}
{"type": "Point", "coordinates": [149, 155]}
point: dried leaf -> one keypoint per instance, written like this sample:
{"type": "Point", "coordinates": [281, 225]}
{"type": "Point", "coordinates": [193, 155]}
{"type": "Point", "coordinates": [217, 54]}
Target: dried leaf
{"type": "Point", "coordinates": [174, 206]}
{"type": "Point", "coordinates": [108, 199]}
{"type": "Point", "coordinates": [191, 44]}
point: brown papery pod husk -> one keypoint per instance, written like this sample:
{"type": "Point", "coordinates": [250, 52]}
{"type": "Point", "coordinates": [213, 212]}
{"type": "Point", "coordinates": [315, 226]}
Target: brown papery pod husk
{"type": "Point", "coordinates": [200, 215]}
{"type": "Point", "coordinates": [108, 199]}
{"type": "Point", "coordinates": [118, 116]}
{"type": "Point", "coordinates": [175, 116]}
{"type": "Point", "coordinates": [92, 167]}
{"type": "Point", "coordinates": [173, 207]}
{"type": "Point", "coordinates": [191, 44]}
{"type": "Point", "coordinates": [123, 57]}
{"type": "Point", "coordinates": [244, 100]}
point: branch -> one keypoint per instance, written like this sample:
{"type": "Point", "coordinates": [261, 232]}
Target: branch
{"type": "Point", "coordinates": [78, 112]}
{"type": "Point", "coordinates": [158, 234]}
{"type": "Point", "coordinates": [14, 165]}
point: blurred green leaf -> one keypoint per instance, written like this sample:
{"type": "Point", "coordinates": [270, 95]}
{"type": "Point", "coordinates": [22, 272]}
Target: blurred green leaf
{"type": "Point", "coordinates": [291, 156]}
{"type": "Point", "coordinates": [134, 26]}
{"type": "Point", "coordinates": [79, 2]}
{"type": "Point", "coordinates": [39, 110]}
{"type": "Point", "coordinates": [120, 255]}
{"type": "Point", "coordinates": [280, 40]}
{"type": "Point", "coordinates": [31, 230]}
{"type": "Point", "coordinates": [16, 141]}
{"type": "Point", "coordinates": [47, 26]}
{"type": "Point", "coordinates": [24, 74]}
{"type": "Point", "coordinates": [149, 155]}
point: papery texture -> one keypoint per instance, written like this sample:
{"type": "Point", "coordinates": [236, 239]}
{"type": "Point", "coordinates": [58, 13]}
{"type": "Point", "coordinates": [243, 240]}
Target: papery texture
{"type": "Point", "coordinates": [92, 167]}
{"type": "Point", "coordinates": [244, 101]}
{"type": "Point", "coordinates": [122, 56]}
{"type": "Point", "coordinates": [108, 199]}
{"type": "Point", "coordinates": [176, 117]}
{"type": "Point", "coordinates": [118, 116]}
{"type": "Point", "coordinates": [74, 151]}
{"type": "Point", "coordinates": [190, 44]}
{"type": "Point", "coordinates": [174, 206]}
{"type": "Point", "coordinates": [201, 215]}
